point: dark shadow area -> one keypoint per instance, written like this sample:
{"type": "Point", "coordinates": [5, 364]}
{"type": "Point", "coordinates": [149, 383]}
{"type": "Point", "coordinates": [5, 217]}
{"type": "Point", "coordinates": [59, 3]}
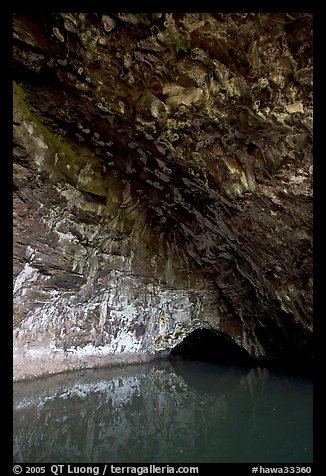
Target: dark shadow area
{"type": "Point", "coordinates": [212, 346]}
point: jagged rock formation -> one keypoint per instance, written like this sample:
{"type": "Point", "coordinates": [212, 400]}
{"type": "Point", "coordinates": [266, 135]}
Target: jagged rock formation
{"type": "Point", "coordinates": [162, 184]}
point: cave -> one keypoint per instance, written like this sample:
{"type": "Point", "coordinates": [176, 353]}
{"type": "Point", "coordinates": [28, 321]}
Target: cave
{"type": "Point", "coordinates": [211, 346]}
{"type": "Point", "coordinates": [162, 182]}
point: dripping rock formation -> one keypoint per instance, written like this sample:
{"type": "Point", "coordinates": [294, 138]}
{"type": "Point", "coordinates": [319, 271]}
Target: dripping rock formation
{"type": "Point", "coordinates": [162, 186]}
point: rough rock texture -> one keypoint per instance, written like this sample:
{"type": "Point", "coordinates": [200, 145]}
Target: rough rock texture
{"type": "Point", "coordinates": [162, 183]}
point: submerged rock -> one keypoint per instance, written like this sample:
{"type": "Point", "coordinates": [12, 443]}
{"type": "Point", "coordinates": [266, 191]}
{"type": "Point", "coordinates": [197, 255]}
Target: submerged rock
{"type": "Point", "coordinates": [162, 184]}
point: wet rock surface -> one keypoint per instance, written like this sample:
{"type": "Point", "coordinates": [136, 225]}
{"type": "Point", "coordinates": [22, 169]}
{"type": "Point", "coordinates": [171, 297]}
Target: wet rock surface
{"type": "Point", "coordinates": [162, 184]}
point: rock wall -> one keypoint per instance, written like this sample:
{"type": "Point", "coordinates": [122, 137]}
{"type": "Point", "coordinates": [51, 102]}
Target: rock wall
{"type": "Point", "coordinates": [162, 183]}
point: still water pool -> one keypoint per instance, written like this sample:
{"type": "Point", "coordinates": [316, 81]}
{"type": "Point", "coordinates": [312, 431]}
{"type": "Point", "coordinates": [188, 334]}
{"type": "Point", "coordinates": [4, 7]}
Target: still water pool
{"type": "Point", "coordinates": [164, 412]}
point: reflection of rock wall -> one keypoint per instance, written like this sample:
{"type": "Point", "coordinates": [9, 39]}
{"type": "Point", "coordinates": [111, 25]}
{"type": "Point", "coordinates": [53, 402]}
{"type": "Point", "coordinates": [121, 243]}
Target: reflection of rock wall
{"type": "Point", "coordinates": [154, 413]}
{"type": "Point", "coordinates": [119, 412]}
{"type": "Point", "coordinates": [162, 178]}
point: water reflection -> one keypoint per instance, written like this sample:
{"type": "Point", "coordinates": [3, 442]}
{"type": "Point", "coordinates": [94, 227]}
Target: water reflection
{"type": "Point", "coordinates": [164, 413]}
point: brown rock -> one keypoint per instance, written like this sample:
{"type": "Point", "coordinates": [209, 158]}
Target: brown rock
{"type": "Point", "coordinates": [163, 183]}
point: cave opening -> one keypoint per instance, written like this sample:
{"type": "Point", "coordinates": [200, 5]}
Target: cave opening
{"type": "Point", "coordinates": [211, 346]}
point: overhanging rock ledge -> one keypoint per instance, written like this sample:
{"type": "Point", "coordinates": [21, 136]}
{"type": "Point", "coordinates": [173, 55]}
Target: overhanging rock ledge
{"type": "Point", "coordinates": [162, 184]}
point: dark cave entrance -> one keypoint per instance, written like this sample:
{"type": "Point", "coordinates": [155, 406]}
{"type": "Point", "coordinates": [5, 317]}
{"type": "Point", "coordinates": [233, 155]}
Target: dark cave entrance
{"type": "Point", "coordinates": [212, 346]}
